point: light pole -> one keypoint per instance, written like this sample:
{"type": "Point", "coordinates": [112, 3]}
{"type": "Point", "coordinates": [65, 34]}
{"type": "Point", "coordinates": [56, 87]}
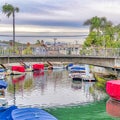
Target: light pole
{"type": "Point", "coordinates": [104, 42]}
{"type": "Point", "coordinates": [55, 42]}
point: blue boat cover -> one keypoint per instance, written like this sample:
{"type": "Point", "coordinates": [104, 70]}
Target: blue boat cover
{"type": "Point", "coordinates": [2, 70]}
{"type": "Point", "coordinates": [71, 64]}
{"type": "Point", "coordinates": [3, 84]}
{"type": "Point", "coordinates": [6, 113]}
{"type": "Point", "coordinates": [2, 109]}
{"type": "Point", "coordinates": [77, 68]}
{"type": "Point", "coordinates": [31, 114]}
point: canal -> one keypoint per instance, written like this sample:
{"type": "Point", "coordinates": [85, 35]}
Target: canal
{"type": "Point", "coordinates": [55, 92]}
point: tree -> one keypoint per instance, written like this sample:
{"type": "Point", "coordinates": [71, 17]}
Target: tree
{"type": "Point", "coordinates": [37, 42]}
{"type": "Point", "coordinates": [95, 23]}
{"type": "Point", "coordinates": [9, 10]}
{"type": "Point", "coordinates": [102, 29]}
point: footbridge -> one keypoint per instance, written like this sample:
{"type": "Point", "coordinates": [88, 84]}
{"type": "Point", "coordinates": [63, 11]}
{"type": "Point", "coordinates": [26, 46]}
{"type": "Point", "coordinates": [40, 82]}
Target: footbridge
{"type": "Point", "coordinates": [103, 61]}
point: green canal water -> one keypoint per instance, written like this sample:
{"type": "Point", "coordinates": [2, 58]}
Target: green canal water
{"type": "Point", "coordinates": [92, 111]}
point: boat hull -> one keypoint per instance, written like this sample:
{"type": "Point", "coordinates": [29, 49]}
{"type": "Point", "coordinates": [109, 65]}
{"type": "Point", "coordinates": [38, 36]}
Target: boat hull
{"type": "Point", "coordinates": [113, 89]}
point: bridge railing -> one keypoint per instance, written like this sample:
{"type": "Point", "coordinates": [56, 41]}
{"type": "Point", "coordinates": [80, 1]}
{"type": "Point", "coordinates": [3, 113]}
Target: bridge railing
{"type": "Point", "coordinates": [108, 52]}
{"type": "Point", "coordinates": [105, 52]}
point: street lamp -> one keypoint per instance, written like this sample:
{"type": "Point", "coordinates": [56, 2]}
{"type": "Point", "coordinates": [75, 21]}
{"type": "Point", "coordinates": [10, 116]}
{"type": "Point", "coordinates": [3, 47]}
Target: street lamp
{"type": "Point", "coordinates": [55, 42]}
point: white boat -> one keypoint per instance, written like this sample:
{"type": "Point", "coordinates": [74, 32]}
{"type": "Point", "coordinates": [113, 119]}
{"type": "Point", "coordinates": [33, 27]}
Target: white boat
{"type": "Point", "coordinates": [3, 102]}
{"type": "Point", "coordinates": [55, 65]}
{"type": "Point", "coordinates": [81, 72]}
{"type": "Point", "coordinates": [75, 73]}
{"type": "Point", "coordinates": [58, 66]}
{"type": "Point", "coordinates": [89, 78]}
{"type": "Point", "coordinates": [2, 73]}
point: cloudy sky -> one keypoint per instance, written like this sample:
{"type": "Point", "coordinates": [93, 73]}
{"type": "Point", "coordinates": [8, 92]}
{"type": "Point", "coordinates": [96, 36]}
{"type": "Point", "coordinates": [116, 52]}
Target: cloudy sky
{"type": "Point", "coordinates": [57, 15]}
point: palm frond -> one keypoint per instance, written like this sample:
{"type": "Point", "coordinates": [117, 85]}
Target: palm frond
{"type": "Point", "coordinates": [16, 9]}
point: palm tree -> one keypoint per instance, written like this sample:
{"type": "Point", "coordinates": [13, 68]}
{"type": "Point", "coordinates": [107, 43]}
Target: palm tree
{"type": "Point", "coordinates": [9, 10]}
{"type": "Point", "coordinates": [101, 26]}
{"type": "Point", "coordinates": [94, 22]}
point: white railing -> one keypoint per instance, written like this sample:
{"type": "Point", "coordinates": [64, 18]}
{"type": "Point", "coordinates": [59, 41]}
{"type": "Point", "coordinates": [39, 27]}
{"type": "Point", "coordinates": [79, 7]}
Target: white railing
{"type": "Point", "coordinates": [106, 52]}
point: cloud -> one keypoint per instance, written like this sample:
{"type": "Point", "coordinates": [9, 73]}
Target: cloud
{"type": "Point", "coordinates": [66, 14]}
{"type": "Point", "coordinates": [36, 28]}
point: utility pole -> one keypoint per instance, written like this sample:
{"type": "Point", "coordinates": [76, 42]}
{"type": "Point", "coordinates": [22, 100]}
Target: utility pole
{"type": "Point", "coordinates": [55, 42]}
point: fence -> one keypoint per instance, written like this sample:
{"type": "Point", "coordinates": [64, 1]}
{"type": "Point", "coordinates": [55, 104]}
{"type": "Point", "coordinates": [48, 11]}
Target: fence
{"type": "Point", "coordinates": [105, 52]}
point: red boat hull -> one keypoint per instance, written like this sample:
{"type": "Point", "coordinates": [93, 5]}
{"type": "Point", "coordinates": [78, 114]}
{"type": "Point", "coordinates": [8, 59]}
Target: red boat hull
{"type": "Point", "coordinates": [113, 89]}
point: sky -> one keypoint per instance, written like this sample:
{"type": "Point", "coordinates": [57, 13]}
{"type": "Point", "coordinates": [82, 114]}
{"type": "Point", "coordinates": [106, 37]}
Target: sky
{"type": "Point", "coordinates": [56, 16]}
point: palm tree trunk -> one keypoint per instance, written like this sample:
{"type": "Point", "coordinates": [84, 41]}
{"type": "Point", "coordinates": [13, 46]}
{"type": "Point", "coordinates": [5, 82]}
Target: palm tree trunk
{"type": "Point", "coordinates": [14, 31]}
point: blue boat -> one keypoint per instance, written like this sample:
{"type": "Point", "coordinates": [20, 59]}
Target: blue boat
{"type": "Point", "coordinates": [3, 84]}
{"type": "Point", "coordinates": [31, 114]}
{"type": "Point", "coordinates": [15, 113]}
{"type": "Point", "coordinates": [2, 70]}
{"type": "Point", "coordinates": [5, 113]}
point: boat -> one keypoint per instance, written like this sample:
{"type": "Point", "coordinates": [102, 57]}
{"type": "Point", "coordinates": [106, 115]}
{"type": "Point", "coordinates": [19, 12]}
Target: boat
{"type": "Point", "coordinates": [28, 68]}
{"type": "Point", "coordinates": [15, 113]}
{"type": "Point", "coordinates": [88, 78]}
{"type": "Point", "coordinates": [31, 114]}
{"type": "Point", "coordinates": [55, 66]}
{"type": "Point", "coordinates": [2, 75]}
{"type": "Point", "coordinates": [69, 66]}
{"type": "Point", "coordinates": [113, 89]}
{"type": "Point", "coordinates": [3, 102]}
{"type": "Point", "coordinates": [3, 71]}
{"type": "Point", "coordinates": [38, 67]}
{"type": "Point", "coordinates": [17, 70]}
{"type": "Point", "coordinates": [3, 84]}
{"type": "Point", "coordinates": [50, 65]}
{"type": "Point", "coordinates": [76, 72]}
{"type": "Point", "coordinates": [58, 65]}
{"type": "Point", "coordinates": [5, 113]}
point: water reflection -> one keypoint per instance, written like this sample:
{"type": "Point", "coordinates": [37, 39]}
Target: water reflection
{"type": "Point", "coordinates": [40, 80]}
{"type": "Point", "coordinates": [113, 108]}
{"type": "Point", "coordinates": [76, 85]}
{"type": "Point", "coordinates": [50, 88]}
{"type": "Point", "coordinates": [87, 87]}
{"type": "Point", "coordinates": [18, 83]}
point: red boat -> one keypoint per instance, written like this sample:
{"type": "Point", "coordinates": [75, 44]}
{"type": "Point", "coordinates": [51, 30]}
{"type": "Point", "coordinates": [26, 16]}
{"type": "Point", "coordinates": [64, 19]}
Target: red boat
{"type": "Point", "coordinates": [113, 89]}
{"type": "Point", "coordinates": [16, 70]}
{"type": "Point", "coordinates": [38, 66]}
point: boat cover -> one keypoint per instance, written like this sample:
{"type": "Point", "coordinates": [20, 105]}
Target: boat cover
{"type": "Point", "coordinates": [18, 68]}
{"type": "Point", "coordinates": [113, 108]}
{"type": "Point", "coordinates": [31, 114]}
{"type": "Point", "coordinates": [113, 89]}
{"type": "Point", "coordinates": [38, 66]}
{"type": "Point", "coordinates": [77, 67]}
{"type": "Point", "coordinates": [5, 114]}
{"type": "Point", "coordinates": [3, 84]}
{"type": "Point", "coordinates": [2, 70]}
{"type": "Point", "coordinates": [71, 64]}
